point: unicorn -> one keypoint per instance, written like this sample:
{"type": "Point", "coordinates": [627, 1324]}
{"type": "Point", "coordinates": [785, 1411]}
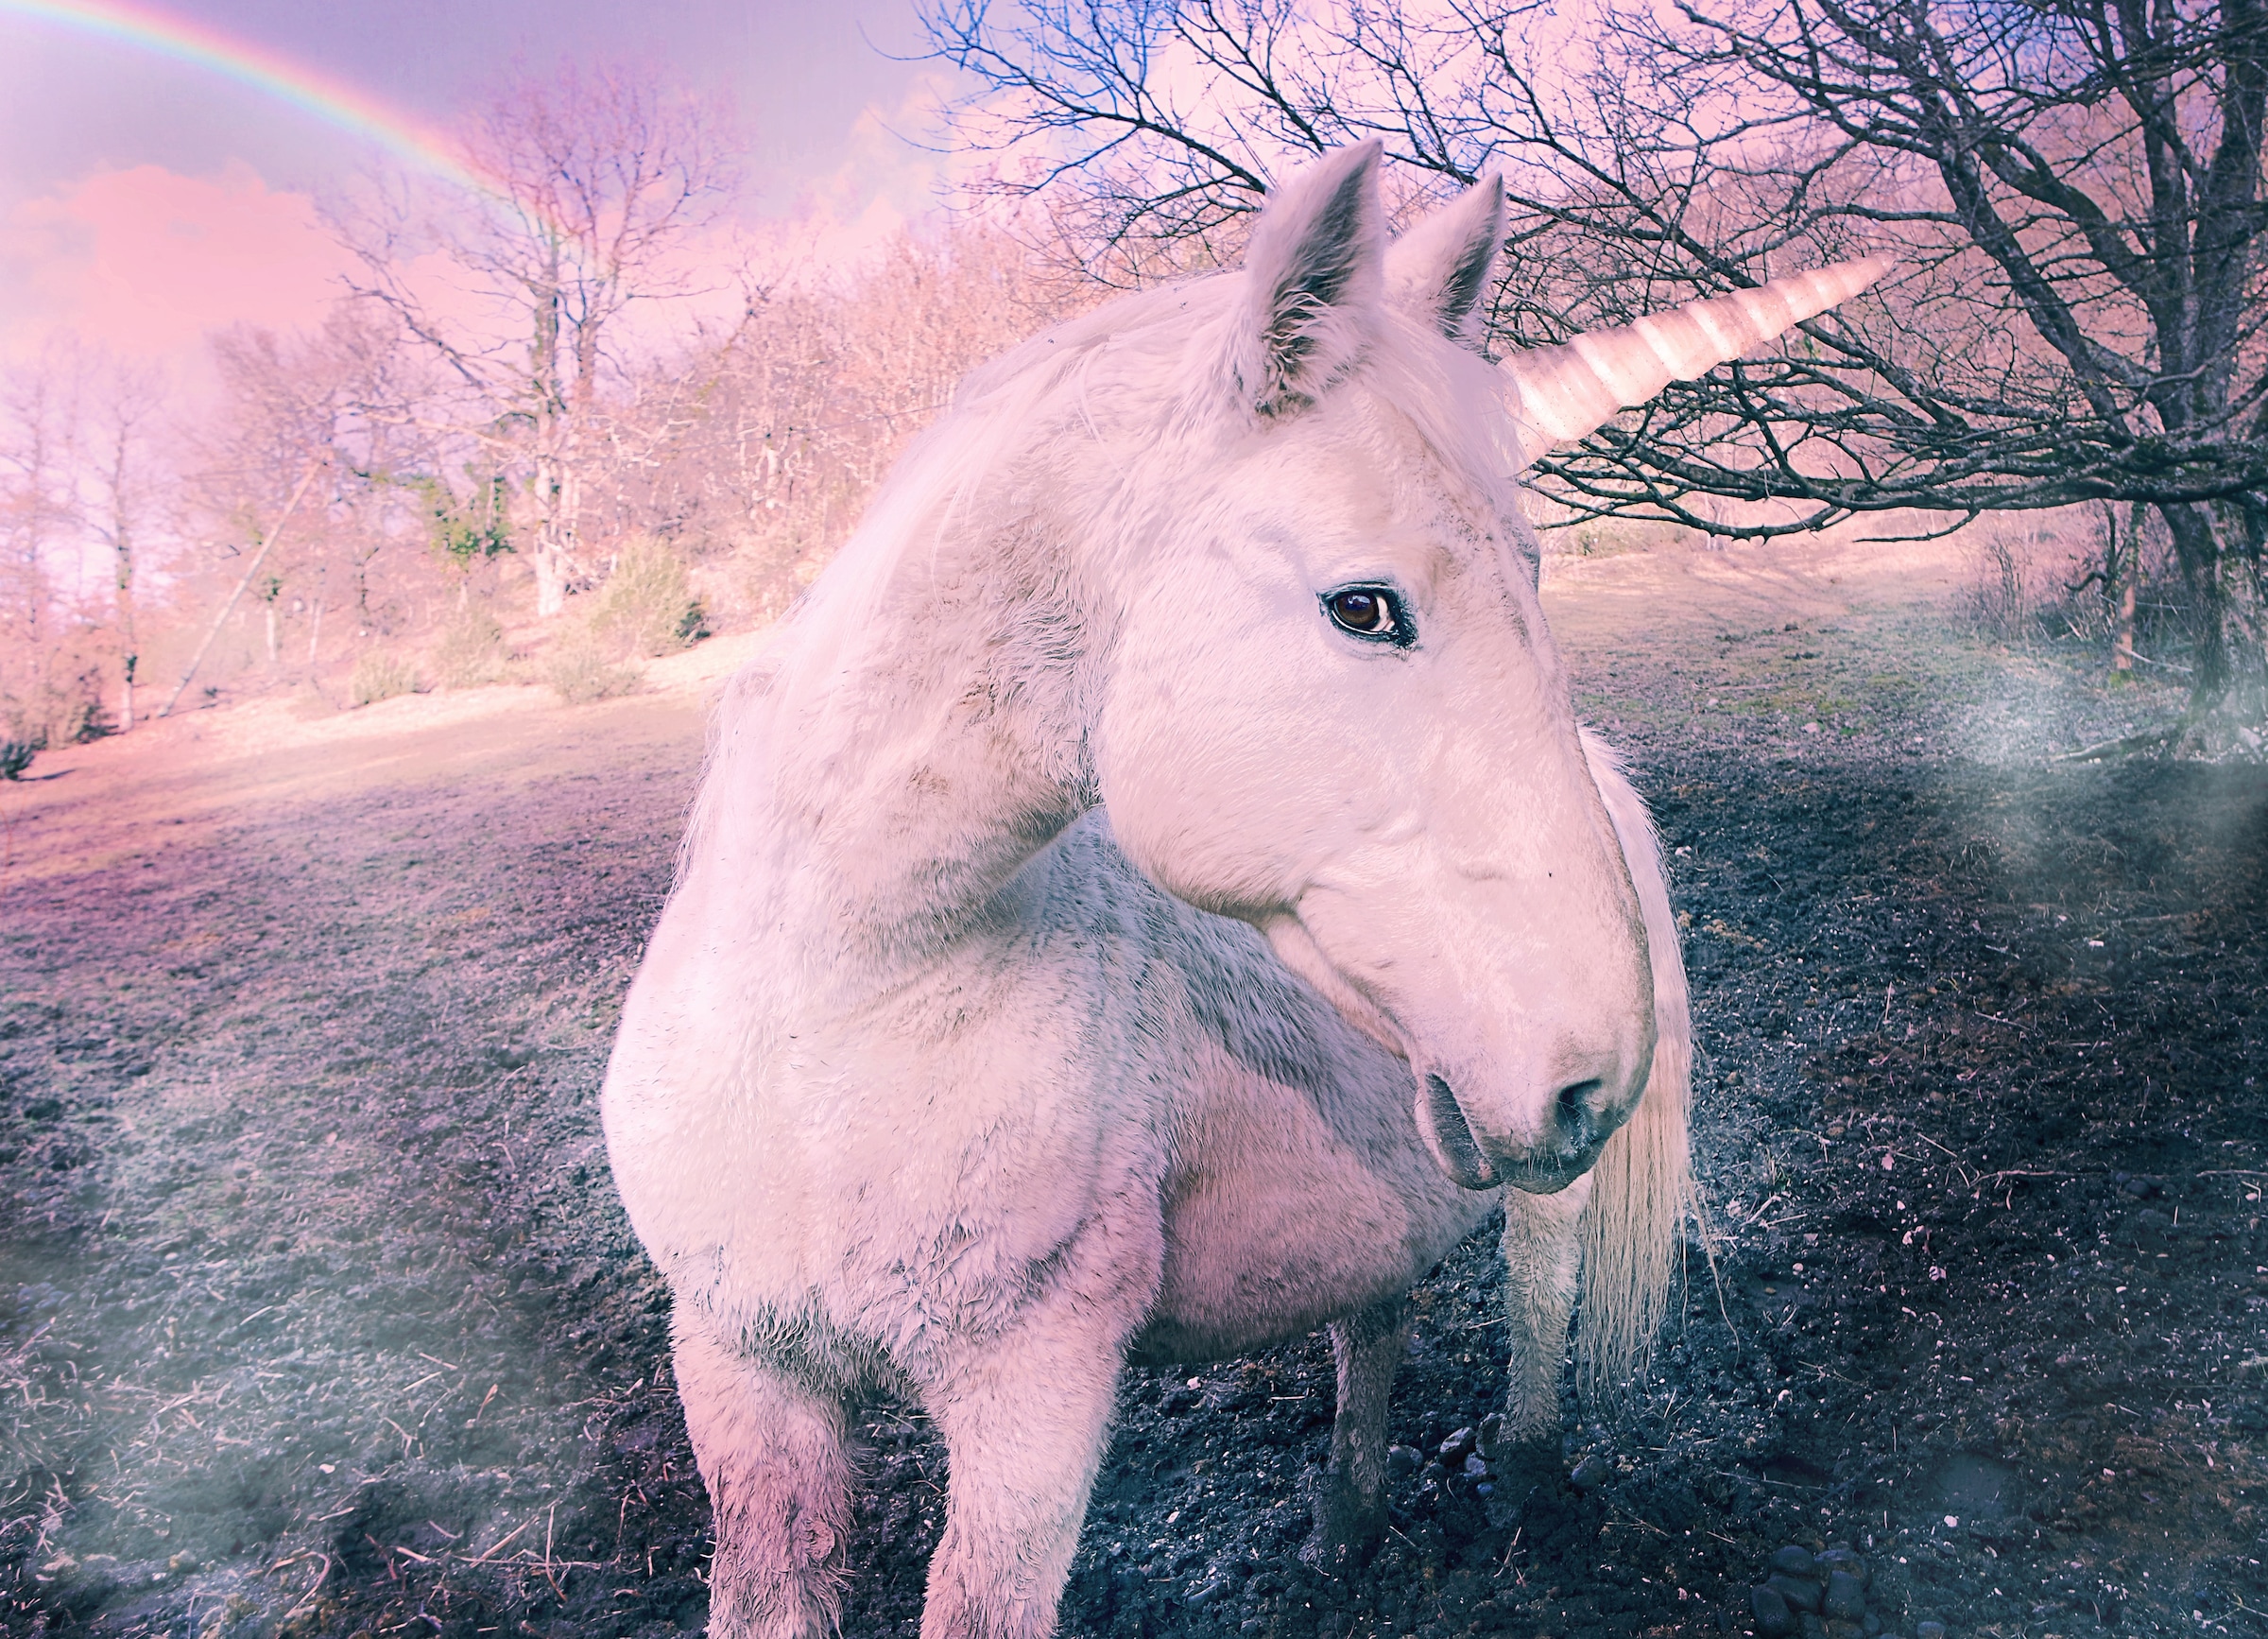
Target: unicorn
{"type": "Point", "coordinates": [1151, 900]}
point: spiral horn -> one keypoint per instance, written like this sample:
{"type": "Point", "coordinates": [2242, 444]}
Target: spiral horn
{"type": "Point", "coordinates": [1569, 390]}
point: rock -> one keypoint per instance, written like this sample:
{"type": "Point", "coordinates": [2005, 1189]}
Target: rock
{"type": "Point", "coordinates": [1774, 1620]}
{"type": "Point", "coordinates": [1809, 1626]}
{"type": "Point", "coordinates": [1846, 1597]}
{"type": "Point", "coordinates": [1929, 1631]}
{"type": "Point", "coordinates": [2140, 1185]}
{"type": "Point", "coordinates": [1403, 1462]}
{"type": "Point", "coordinates": [1870, 1625]}
{"type": "Point", "coordinates": [1476, 1466]}
{"type": "Point", "coordinates": [1801, 1593]}
{"type": "Point", "coordinates": [1838, 1629]}
{"type": "Point", "coordinates": [1493, 1437]}
{"type": "Point", "coordinates": [1458, 1446]}
{"type": "Point", "coordinates": [1591, 1473]}
{"type": "Point", "coordinates": [1848, 1563]}
{"type": "Point", "coordinates": [1794, 1561]}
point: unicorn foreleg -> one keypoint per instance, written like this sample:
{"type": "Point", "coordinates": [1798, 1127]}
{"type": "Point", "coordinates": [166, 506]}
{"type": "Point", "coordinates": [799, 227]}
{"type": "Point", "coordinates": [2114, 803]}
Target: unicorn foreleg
{"type": "Point", "coordinates": [1024, 1425]}
{"type": "Point", "coordinates": [772, 1452]}
{"type": "Point", "coordinates": [1350, 1507]}
{"type": "Point", "coordinates": [1543, 1269]}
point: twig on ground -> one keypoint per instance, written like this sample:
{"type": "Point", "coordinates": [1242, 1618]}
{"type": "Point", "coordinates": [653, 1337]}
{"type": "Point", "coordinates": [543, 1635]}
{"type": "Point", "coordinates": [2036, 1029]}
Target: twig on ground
{"type": "Point", "coordinates": [2144, 741]}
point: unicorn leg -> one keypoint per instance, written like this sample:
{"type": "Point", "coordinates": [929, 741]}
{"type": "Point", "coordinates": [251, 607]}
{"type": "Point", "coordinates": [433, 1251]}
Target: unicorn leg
{"type": "Point", "coordinates": [1543, 1266]}
{"type": "Point", "coordinates": [771, 1451]}
{"type": "Point", "coordinates": [1024, 1427]}
{"type": "Point", "coordinates": [1350, 1507]}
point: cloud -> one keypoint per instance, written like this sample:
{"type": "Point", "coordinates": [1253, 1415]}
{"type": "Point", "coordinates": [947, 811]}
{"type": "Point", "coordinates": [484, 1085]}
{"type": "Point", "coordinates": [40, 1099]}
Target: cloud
{"type": "Point", "coordinates": [892, 175]}
{"type": "Point", "coordinates": [146, 260]}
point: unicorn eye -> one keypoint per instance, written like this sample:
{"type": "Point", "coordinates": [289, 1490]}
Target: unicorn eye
{"type": "Point", "coordinates": [1371, 612]}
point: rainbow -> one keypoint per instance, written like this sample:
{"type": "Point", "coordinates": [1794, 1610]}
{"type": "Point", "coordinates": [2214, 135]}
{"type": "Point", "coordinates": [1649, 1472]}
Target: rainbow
{"type": "Point", "coordinates": [331, 100]}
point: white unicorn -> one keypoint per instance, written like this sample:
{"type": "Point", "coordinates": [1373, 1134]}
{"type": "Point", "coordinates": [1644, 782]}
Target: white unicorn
{"type": "Point", "coordinates": [1148, 902]}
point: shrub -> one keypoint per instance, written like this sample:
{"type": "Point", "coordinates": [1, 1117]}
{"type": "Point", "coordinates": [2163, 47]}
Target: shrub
{"type": "Point", "coordinates": [379, 675]}
{"type": "Point", "coordinates": [647, 606]}
{"type": "Point", "coordinates": [580, 669]}
{"type": "Point", "coordinates": [57, 700]}
{"type": "Point", "coordinates": [470, 652]}
{"type": "Point", "coordinates": [15, 756]}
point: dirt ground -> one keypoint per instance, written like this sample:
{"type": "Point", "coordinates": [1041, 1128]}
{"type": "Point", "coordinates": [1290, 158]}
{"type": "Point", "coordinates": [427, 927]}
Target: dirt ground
{"type": "Point", "coordinates": [318, 1314]}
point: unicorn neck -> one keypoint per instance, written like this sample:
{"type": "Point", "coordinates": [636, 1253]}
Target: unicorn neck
{"type": "Point", "coordinates": [909, 746]}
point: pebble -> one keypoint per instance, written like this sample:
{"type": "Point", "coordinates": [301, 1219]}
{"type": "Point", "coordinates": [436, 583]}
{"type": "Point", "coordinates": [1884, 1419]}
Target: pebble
{"type": "Point", "coordinates": [1591, 1473]}
{"type": "Point", "coordinates": [1801, 1593]}
{"type": "Point", "coordinates": [1773, 1618]}
{"type": "Point", "coordinates": [1929, 1631]}
{"type": "Point", "coordinates": [1848, 1563]}
{"type": "Point", "coordinates": [1403, 1462]}
{"type": "Point", "coordinates": [1794, 1561]}
{"type": "Point", "coordinates": [1846, 1597]}
{"type": "Point", "coordinates": [1458, 1446]}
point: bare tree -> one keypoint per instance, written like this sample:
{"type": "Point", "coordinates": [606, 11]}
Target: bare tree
{"type": "Point", "coordinates": [764, 441]}
{"type": "Point", "coordinates": [129, 419]}
{"type": "Point", "coordinates": [599, 179]}
{"type": "Point", "coordinates": [50, 664]}
{"type": "Point", "coordinates": [2073, 189]}
{"type": "Point", "coordinates": [341, 401]}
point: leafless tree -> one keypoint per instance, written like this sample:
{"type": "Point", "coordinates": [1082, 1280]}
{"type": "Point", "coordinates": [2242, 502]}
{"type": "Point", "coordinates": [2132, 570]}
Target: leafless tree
{"type": "Point", "coordinates": [50, 662]}
{"type": "Point", "coordinates": [2072, 187]}
{"type": "Point", "coordinates": [598, 180]}
{"type": "Point", "coordinates": [341, 400]}
{"type": "Point", "coordinates": [764, 441]}
{"type": "Point", "coordinates": [124, 485]}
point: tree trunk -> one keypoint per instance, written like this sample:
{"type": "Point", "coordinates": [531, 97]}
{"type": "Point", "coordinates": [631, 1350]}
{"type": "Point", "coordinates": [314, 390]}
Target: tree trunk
{"type": "Point", "coordinates": [2228, 719]}
{"type": "Point", "coordinates": [2122, 578]}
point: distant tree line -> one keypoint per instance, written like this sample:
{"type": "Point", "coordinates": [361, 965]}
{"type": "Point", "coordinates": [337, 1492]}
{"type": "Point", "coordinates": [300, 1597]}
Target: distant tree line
{"type": "Point", "coordinates": [516, 393]}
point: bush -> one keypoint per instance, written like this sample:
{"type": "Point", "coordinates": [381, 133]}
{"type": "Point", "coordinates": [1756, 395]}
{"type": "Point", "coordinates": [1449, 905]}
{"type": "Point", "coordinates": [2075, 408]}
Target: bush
{"type": "Point", "coordinates": [470, 652]}
{"type": "Point", "coordinates": [55, 701]}
{"type": "Point", "coordinates": [379, 675]}
{"type": "Point", "coordinates": [15, 756]}
{"type": "Point", "coordinates": [581, 669]}
{"type": "Point", "coordinates": [647, 607]}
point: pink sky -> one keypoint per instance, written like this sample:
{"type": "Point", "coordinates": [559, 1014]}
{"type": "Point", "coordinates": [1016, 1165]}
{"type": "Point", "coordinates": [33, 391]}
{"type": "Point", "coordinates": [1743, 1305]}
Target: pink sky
{"type": "Point", "coordinates": [144, 201]}
{"type": "Point", "coordinates": [144, 261]}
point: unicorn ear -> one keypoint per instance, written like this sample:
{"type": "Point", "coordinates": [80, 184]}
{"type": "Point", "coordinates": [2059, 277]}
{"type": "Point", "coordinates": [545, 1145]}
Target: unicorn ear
{"type": "Point", "coordinates": [1438, 271]}
{"type": "Point", "coordinates": [1313, 274]}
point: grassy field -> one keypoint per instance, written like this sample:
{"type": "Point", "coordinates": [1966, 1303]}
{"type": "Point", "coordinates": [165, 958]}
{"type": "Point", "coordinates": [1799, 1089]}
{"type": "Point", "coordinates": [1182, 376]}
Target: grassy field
{"type": "Point", "coordinates": [318, 1314]}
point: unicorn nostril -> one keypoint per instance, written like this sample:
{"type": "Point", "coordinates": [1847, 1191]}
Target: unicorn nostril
{"type": "Point", "coordinates": [1576, 1121]}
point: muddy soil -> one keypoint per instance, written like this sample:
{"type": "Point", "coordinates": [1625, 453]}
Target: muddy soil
{"type": "Point", "coordinates": [317, 1315]}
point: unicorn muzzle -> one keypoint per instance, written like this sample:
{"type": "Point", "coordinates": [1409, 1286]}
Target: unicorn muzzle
{"type": "Point", "coordinates": [1568, 1133]}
